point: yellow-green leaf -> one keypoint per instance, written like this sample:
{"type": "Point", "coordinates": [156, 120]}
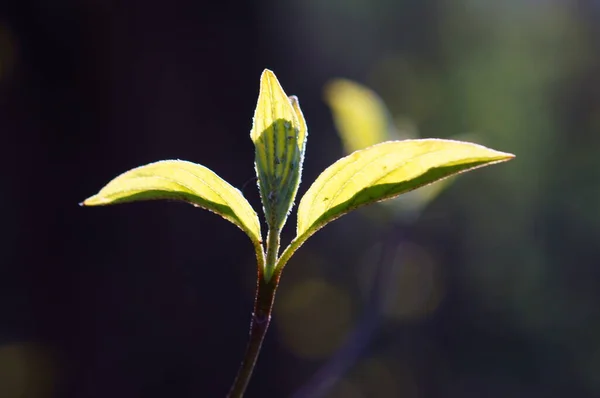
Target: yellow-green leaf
{"type": "Point", "coordinates": [360, 116]}
{"type": "Point", "coordinates": [279, 136]}
{"type": "Point", "coordinates": [185, 181]}
{"type": "Point", "coordinates": [385, 171]}
{"type": "Point", "coordinates": [362, 119]}
{"type": "Point", "coordinates": [302, 128]}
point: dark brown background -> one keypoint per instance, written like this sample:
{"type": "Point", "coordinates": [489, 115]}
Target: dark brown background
{"type": "Point", "coordinates": [154, 299]}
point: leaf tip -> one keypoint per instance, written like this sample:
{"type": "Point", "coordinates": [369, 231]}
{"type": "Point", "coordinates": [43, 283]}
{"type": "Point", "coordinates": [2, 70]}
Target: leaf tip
{"type": "Point", "coordinates": [94, 201]}
{"type": "Point", "coordinates": [505, 156]}
{"type": "Point", "coordinates": [267, 77]}
{"type": "Point", "coordinates": [267, 71]}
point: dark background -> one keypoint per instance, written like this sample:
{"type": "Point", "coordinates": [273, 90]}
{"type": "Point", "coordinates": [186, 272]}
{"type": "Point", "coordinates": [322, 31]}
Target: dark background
{"type": "Point", "coordinates": [154, 299]}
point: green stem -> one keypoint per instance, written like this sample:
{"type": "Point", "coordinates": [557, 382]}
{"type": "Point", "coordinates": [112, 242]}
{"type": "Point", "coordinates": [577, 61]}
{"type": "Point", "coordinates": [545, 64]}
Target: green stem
{"type": "Point", "coordinates": [266, 286]}
{"type": "Point", "coordinates": [291, 249]}
{"type": "Point", "coordinates": [273, 239]}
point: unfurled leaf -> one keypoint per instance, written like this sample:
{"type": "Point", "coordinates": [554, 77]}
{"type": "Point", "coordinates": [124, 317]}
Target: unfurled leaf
{"type": "Point", "coordinates": [279, 136]}
{"type": "Point", "coordinates": [384, 171]}
{"type": "Point", "coordinates": [185, 181]}
{"type": "Point", "coordinates": [360, 116]}
{"type": "Point", "coordinates": [363, 120]}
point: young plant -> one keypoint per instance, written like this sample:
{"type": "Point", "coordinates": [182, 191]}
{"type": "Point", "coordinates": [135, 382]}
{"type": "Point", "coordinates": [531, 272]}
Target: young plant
{"type": "Point", "coordinates": [279, 133]}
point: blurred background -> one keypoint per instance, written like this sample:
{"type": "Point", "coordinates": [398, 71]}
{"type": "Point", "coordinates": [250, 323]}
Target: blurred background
{"type": "Point", "coordinates": [492, 291]}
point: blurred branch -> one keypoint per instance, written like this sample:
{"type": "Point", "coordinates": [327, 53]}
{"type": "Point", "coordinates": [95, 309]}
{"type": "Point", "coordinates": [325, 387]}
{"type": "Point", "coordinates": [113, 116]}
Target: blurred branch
{"type": "Point", "coordinates": [381, 291]}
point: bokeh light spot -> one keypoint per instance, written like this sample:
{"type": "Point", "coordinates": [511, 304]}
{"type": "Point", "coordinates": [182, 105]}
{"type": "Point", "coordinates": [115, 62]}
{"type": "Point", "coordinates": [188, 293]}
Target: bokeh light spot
{"type": "Point", "coordinates": [7, 52]}
{"type": "Point", "coordinates": [346, 389]}
{"type": "Point", "coordinates": [26, 371]}
{"type": "Point", "coordinates": [313, 318]}
{"type": "Point", "coordinates": [375, 379]}
{"type": "Point", "coordinates": [418, 288]}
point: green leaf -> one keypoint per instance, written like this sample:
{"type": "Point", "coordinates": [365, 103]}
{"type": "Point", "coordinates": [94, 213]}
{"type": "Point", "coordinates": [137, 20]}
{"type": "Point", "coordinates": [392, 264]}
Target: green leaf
{"type": "Point", "coordinates": [279, 136]}
{"type": "Point", "coordinates": [302, 128]}
{"type": "Point", "coordinates": [385, 171]}
{"type": "Point", "coordinates": [185, 181]}
{"type": "Point", "coordinates": [362, 119]}
{"type": "Point", "coordinates": [360, 116]}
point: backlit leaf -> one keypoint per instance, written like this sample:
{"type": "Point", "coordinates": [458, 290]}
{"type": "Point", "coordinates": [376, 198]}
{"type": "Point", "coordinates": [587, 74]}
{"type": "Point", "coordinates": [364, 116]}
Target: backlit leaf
{"type": "Point", "coordinates": [185, 181]}
{"type": "Point", "coordinates": [360, 116]}
{"type": "Point", "coordinates": [302, 128]}
{"type": "Point", "coordinates": [279, 136]}
{"type": "Point", "coordinates": [362, 119]}
{"type": "Point", "coordinates": [385, 171]}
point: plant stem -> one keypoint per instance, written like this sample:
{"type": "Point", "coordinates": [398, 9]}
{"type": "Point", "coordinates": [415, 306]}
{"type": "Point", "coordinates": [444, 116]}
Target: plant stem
{"type": "Point", "coordinates": [266, 286]}
{"type": "Point", "coordinates": [261, 318]}
{"type": "Point", "coordinates": [273, 240]}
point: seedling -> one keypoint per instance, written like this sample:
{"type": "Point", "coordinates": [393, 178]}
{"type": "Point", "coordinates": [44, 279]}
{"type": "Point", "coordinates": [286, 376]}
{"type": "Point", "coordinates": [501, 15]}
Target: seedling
{"type": "Point", "coordinates": [279, 133]}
